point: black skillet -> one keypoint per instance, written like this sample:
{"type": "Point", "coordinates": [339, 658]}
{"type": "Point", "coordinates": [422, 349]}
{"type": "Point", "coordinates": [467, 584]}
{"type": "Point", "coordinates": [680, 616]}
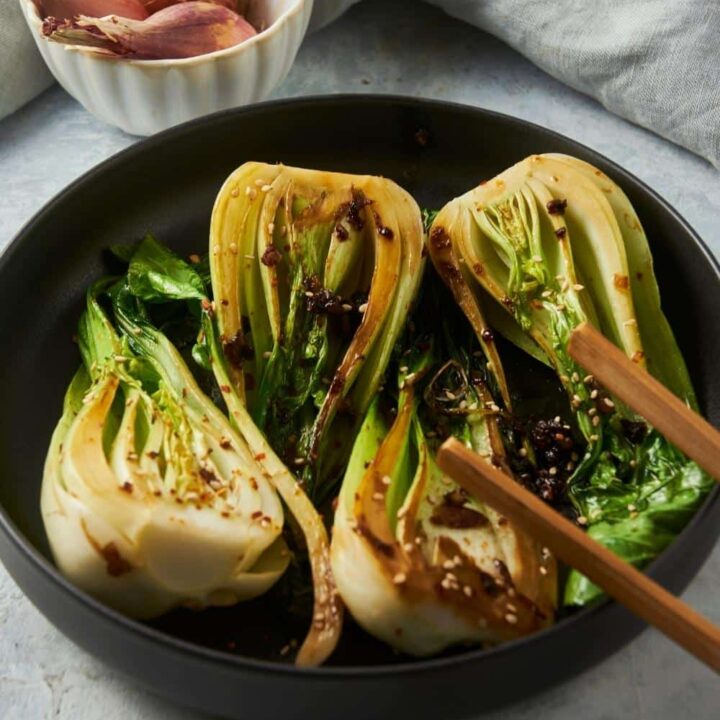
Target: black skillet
{"type": "Point", "coordinates": [226, 661]}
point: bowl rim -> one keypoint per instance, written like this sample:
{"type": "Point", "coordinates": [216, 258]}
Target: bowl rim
{"type": "Point", "coordinates": [294, 8]}
{"type": "Point", "coordinates": [344, 672]}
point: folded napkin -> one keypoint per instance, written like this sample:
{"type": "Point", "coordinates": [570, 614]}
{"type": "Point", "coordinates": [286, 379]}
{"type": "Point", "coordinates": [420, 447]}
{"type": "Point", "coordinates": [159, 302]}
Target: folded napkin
{"type": "Point", "coordinates": [22, 71]}
{"type": "Point", "coordinates": [654, 62]}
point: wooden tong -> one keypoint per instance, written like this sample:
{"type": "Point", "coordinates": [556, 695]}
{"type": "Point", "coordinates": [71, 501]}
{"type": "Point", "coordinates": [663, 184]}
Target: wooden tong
{"type": "Point", "coordinates": [644, 597]}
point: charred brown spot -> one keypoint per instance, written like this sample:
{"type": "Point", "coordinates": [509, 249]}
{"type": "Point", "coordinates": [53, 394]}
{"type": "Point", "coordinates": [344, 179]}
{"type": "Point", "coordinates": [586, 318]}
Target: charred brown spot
{"type": "Point", "coordinates": [207, 475]}
{"type": "Point", "coordinates": [115, 564]}
{"type": "Point", "coordinates": [639, 275]}
{"type": "Point", "coordinates": [504, 573]}
{"type": "Point", "coordinates": [621, 282]}
{"type": "Point", "coordinates": [337, 384]}
{"type": "Point", "coordinates": [341, 232]}
{"type": "Point", "coordinates": [478, 268]}
{"type": "Point", "coordinates": [556, 206]}
{"type": "Point", "coordinates": [249, 381]}
{"type": "Point", "coordinates": [127, 487]}
{"type": "Point", "coordinates": [507, 302]}
{"type": "Point", "coordinates": [561, 232]}
{"type": "Point", "coordinates": [439, 238]}
{"type": "Point", "coordinates": [237, 349]}
{"type": "Point", "coordinates": [271, 257]}
{"type": "Point", "coordinates": [453, 513]}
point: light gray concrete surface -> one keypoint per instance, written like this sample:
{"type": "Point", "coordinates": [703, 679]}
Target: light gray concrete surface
{"type": "Point", "coordinates": [385, 47]}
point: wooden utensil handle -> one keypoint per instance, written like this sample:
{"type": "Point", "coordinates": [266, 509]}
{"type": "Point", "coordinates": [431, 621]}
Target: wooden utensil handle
{"type": "Point", "coordinates": [646, 396]}
{"type": "Point", "coordinates": [577, 549]}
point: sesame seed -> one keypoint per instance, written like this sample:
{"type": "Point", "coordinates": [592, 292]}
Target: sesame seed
{"type": "Point", "coordinates": [631, 507]}
{"type": "Point", "coordinates": [385, 479]}
{"type": "Point", "coordinates": [265, 188]}
{"type": "Point", "coordinates": [576, 398]}
{"type": "Point", "coordinates": [553, 470]}
{"type": "Point", "coordinates": [588, 379]}
{"type": "Point", "coordinates": [592, 411]}
{"type": "Point", "coordinates": [512, 619]}
{"type": "Point", "coordinates": [594, 394]}
{"type": "Point", "coordinates": [378, 496]}
{"type": "Point", "coordinates": [609, 402]}
{"type": "Point", "coordinates": [582, 520]}
{"type": "Point", "coordinates": [399, 578]}
{"type": "Point", "coordinates": [594, 438]}
{"type": "Point", "coordinates": [260, 182]}
{"type": "Point", "coordinates": [271, 228]}
{"type": "Point", "coordinates": [543, 570]}
{"type": "Point", "coordinates": [363, 308]}
{"type": "Point", "coordinates": [346, 307]}
{"type": "Point", "coordinates": [468, 590]}
{"type": "Point", "coordinates": [546, 293]}
{"type": "Point", "coordinates": [233, 248]}
{"type": "Point", "coordinates": [267, 355]}
{"type": "Point", "coordinates": [511, 607]}
{"type": "Point", "coordinates": [577, 287]}
{"type": "Point", "coordinates": [537, 258]}
{"type": "Point", "coordinates": [595, 421]}
{"type": "Point", "coordinates": [523, 452]}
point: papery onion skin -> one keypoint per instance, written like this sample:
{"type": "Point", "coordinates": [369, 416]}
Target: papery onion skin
{"type": "Point", "coordinates": [179, 31]}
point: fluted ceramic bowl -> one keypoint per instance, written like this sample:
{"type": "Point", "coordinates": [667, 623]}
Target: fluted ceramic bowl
{"type": "Point", "coordinates": [143, 97]}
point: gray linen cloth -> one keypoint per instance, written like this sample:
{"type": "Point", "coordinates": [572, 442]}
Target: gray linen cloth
{"type": "Point", "coordinates": [654, 62]}
{"type": "Point", "coordinates": [22, 71]}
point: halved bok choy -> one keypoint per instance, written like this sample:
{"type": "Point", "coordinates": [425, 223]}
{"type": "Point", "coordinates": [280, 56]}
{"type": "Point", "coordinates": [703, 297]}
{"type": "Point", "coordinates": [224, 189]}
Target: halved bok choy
{"type": "Point", "coordinates": [150, 498]}
{"type": "Point", "coordinates": [313, 275]}
{"type": "Point", "coordinates": [554, 242]}
{"type": "Point", "coordinates": [418, 563]}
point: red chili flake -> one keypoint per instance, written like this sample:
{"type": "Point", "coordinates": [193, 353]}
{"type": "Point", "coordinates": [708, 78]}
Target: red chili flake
{"type": "Point", "coordinates": [257, 514]}
{"type": "Point", "coordinates": [127, 487]}
{"type": "Point", "coordinates": [561, 232]}
{"type": "Point", "coordinates": [224, 302]}
{"type": "Point", "coordinates": [260, 456]}
{"type": "Point", "coordinates": [639, 275]}
{"type": "Point", "coordinates": [271, 257]}
{"type": "Point", "coordinates": [487, 335]}
{"type": "Point", "coordinates": [341, 232]}
{"type": "Point", "coordinates": [194, 259]}
{"type": "Point", "coordinates": [207, 306]}
{"type": "Point", "coordinates": [225, 388]}
{"type": "Point", "coordinates": [225, 444]}
{"type": "Point", "coordinates": [556, 206]}
{"type": "Point", "coordinates": [478, 268]}
{"type": "Point", "coordinates": [152, 454]}
{"type": "Point", "coordinates": [621, 282]}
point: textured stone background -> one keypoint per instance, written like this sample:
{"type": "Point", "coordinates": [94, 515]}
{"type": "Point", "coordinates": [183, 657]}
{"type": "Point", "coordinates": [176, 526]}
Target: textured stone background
{"type": "Point", "coordinates": [380, 46]}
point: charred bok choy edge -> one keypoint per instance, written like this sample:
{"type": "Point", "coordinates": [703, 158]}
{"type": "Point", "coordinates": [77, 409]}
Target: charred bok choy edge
{"type": "Point", "coordinates": [418, 563]}
{"type": "Point", "coordinates": [555, 242]}
{"type": "Point", "coordinates": [314, 274]}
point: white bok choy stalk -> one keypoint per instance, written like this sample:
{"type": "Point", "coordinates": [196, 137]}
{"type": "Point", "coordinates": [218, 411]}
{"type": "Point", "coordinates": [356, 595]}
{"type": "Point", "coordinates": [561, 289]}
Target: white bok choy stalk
{"type": "Point", "coordinates": [150, 498]}
{"type": "Point", "coordinates": [418, 563]}
{"type": "Point", "coordinates": [554, 242]}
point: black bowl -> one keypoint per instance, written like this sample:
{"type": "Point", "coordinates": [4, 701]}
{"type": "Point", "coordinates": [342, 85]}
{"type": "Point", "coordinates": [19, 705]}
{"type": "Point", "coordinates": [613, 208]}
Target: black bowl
{"type": "Point", "coordinates": [167, 185]}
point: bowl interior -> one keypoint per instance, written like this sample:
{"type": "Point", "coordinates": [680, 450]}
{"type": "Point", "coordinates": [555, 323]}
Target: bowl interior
{"type": "Point", "coordinates": [167, 186]}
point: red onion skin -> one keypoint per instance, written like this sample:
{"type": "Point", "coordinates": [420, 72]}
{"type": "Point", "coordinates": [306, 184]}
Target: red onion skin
{"type": "Point", "coordinates": [67, 9]}
{"type": "Point", "coordinates": [182, 30]}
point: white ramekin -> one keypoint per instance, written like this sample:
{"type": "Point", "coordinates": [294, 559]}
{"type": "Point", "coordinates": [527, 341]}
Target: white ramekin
{"type": "Point", "coordinates": [145, 96]}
